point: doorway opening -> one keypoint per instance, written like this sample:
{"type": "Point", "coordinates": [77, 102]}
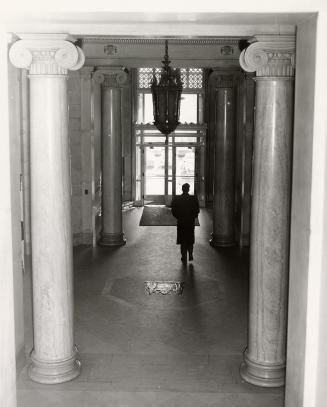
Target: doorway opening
{"type": "Point", "coordinates": [163, 165]}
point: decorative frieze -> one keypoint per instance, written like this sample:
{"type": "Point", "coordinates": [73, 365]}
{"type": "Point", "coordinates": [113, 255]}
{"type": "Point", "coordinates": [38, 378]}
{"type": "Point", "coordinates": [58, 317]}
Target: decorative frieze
{"type": "Point", "coordinates": [46, 55]}
{"type": "Point", "coordinates": [177, 41]}
{"type": "Point", "coordinates": [270, 56]}
{"type": "Point", "coordinates": [147, 52]}
{"type": "Point", "coordinates": [110, 77]}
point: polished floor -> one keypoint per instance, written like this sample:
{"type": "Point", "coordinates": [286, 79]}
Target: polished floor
{"type": "Point", "coordinates": [141, 350]}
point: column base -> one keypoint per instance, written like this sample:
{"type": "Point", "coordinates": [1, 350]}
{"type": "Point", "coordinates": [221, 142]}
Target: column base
{"type": "Point", "coordinates": [217, 241]}
{"type": "Point", "coordinates": [112, 239]}
{"type": "Point", "coordinates": [54, 372]}
{"type": "Point", "coordinates": [263, 375]}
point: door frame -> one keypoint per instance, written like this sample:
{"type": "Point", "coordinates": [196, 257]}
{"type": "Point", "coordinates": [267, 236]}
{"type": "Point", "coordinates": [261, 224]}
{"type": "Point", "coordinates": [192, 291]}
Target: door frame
{"type": "Point", "coordinates": [302, 388]}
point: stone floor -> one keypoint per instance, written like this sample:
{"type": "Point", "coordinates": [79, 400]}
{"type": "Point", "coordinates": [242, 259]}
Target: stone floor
{"type": "Point", "coordinates": [141, 350]}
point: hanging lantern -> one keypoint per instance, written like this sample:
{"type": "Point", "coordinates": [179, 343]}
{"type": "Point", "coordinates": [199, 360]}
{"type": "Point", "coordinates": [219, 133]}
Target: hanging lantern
{"type": "Point", "coordinates": [166, 96]}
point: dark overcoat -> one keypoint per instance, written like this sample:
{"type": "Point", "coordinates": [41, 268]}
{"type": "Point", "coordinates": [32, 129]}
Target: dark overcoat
{"type": "Point", "coordinates": [185, 208]}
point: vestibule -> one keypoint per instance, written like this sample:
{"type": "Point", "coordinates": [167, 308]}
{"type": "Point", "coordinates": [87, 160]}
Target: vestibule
{"type": "Point", "coordinates": [272, 57]}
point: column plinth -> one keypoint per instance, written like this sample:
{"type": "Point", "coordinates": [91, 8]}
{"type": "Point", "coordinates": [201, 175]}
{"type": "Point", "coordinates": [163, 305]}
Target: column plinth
{"type": "Point", "coordinates": [112, 239]}
{"type": "Point", "coordinates": [262, 374]}
{"type": "Point", "coordinates": [48, 57]}
{"type": "Point", "coordinates": [111, 80]}
{"type": "Point", "coordinates": [265, 356]}
{"type": "Point", "coordinates": [53, 372]}
{"type": "Point", "coordinates": [223, 202]}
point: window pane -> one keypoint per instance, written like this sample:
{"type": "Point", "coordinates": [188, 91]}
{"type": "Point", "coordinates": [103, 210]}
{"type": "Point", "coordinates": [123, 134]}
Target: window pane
{"type": "Point", "coordinates": [185, 168]}
{"type": "Point", "coordinates": [170, 161]}
{"type": "Point", "coordinates": [140, 108]}
{"type": "Point", "coordinates": [185, 161]}
{"type": "Point", "coordinates": [185, 139]}
{"type": "Point", "coordinates": [154, 139]}
{"type": "Point", "coordinates": [154, 171]}
{"type": "Point", "coordinates": [170, 188]}
{"type": "Point", "coordinates": [177, 132]}
{"type": "Point", "coordinates": [148, 108]}
{"type": "Point", "coordinates": [152, 132]}
{"type": "Point", "coordinates": [189, 108]}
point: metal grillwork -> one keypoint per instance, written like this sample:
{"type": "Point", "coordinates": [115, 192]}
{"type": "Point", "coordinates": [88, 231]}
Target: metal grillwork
{"type": "Point", "coordinates": [145, 76]}
{"type": "Point", "coordinates": [192, 78]}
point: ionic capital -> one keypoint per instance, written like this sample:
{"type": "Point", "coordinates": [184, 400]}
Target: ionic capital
{"type": "Point", "coordinates": [110, 77]}
{"type": "Point", "coordinates": [270, 56]}
{"type": "Point", "coordinates": [49, 54]}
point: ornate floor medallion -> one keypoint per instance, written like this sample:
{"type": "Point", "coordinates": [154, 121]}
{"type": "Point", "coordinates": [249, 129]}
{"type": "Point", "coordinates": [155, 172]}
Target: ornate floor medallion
{"type": "Point", "coordinates": [164, 287]}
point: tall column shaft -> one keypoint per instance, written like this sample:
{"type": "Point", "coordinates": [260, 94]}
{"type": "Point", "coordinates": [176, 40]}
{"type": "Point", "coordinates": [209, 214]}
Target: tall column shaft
{"type": "Point", "coordinates": [25, 152]}
{"type": "Point", "coordinates": [54, 356]}
{"type": "Point", "coordinates": [264, 359]}
{"type": "Point", "coordinates": [51, 221]}
{"type": "Point", "coordinates": [112, 229]}
{"type": "Point", "coordinates": [223, 204]}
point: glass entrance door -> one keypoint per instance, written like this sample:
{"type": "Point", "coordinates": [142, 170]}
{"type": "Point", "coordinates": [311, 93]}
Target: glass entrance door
{"type": "Point", "coordinates": [166, 169]}
{"type": "Point", "coordinates": [154, 173]}
{"type": "Point", "coordinates": [162, 168]}
{"type": "Point", "coordinates": [185, 168]}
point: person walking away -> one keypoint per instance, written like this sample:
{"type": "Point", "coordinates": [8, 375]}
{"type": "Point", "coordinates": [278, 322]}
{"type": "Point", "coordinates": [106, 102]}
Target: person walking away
{"type": "Point", "coordinates": [185, 208]}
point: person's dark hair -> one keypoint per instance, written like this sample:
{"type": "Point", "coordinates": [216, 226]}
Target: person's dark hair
{"type": "Point", "coordinates": [185, 187]}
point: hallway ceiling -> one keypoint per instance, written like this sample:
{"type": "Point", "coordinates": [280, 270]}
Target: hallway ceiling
{"type": "Point", "coordinates": [186, 25]}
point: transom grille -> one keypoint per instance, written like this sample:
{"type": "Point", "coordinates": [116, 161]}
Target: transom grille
{"type": "Point", "coordinates": [192, 78]}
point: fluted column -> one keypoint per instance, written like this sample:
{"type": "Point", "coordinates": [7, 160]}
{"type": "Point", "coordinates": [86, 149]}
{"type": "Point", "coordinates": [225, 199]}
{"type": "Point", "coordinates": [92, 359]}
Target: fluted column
{"type": "Point", "coordinates": [223, 202]}
{"type": "Point", "coordinates": [48, 57]}
{"type": "Point", "coordinates": [272, 60]}
{"type": "Point", "coordinates": [111, 80]}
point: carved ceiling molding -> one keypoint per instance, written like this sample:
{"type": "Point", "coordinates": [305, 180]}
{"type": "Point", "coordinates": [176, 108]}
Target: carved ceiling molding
{"type": "Point", "coordinates": [270, 56]}
{"type": "Point", "coordinates": [172, 41]}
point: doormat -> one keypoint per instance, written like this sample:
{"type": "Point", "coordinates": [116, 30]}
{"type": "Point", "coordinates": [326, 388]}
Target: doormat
{"type": "Point", "coordinates": [159, 216]}
{"type": "Point", "coordinates": [164, 287]}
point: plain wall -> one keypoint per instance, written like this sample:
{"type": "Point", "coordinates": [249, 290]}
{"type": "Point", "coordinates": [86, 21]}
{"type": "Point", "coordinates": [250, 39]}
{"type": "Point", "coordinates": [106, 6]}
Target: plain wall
{"type": "Point", "coordinates": [7, 243]}
{"type": "Point", "coordinates": [300, 212]}
{"type": "Point", "coordinates": [307, 324]}
{"type": "Point", "coordinates": [16, 197]}
{"type": "Point", "coordinates": [315, 383]}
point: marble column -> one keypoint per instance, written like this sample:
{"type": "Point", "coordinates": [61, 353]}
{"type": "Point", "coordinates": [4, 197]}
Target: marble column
{"type": "Point", "coordinates": [48, 58]}
{"type": "Point", "coordinates": [87, 150]}
{"type": "Point", "coordinates": [111, 80]}
{"type": "Point", "coordinates": [272, 58]}
{"type": "Point", "coordinates": [225, 129]}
